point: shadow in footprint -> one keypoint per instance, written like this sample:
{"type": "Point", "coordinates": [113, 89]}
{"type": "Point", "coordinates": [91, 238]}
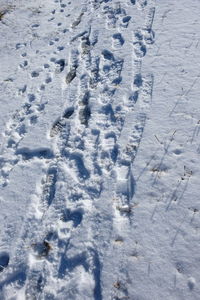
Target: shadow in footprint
{"type": "Point", "coordinates": [139, 49]}
{"type": "Point", "coordinates": [108, 110]}
{"type": "Point", "coordinates": [84, 259]}
{"type": "Point", "coordinates": [83, 172]}
{"type": "Point", "coordinates": [84, 115]}
{"type": "Point", "coordinates": [114, 153]}
{"type": "Point", "coordinates": [107, 55]}
{"type": "Point", "coordinates": [18, 277]}
{"type": "Point", "coordinates": [4, 261]}
{"type": "Point", "coordinates": [138, 80]}
{"type": "Point", "coordinates": [85, 100]}
{"type": "Point", "coordinates": [70, 76]}
{"type": "Point", "coordinates": [97, 275]}
{"type": "Point", "coordinates": [68, 113]}
{"type": "Point", "coordinates": [34, 285]}
{"type": "Point", "coordinates": [118, 37]}
{"type": "Point", "coordinates": [117, 80]}
{"type": "Point", "coordinates": [134, 97]}
{"type": "Point", "coordinates": [68, 264]}
{"type": "Point", "coordinates": [41, 249]}
{"type": "Point", "coordinates": [75, 216]}
{"type": "Point", "coordinates": [131, 186]}
{"type": "Point", "coordinates": [57, 127]}
{"type": "Point", "coordinates": [125, 21]}
{"type": "Point", "coordinates": [27, 153]}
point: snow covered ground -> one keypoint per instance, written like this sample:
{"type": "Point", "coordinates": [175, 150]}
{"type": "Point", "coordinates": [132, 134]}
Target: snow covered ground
{"type": "Point", "coordinates": [99, 149]}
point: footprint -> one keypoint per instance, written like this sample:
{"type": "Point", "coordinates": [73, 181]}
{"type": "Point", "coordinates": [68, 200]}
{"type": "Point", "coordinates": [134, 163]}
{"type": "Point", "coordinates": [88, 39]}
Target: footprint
{"type": "Point", "coordinates": [41, 249]}
{"type": "Point", "coordinates": [4, 260]}
{"type": "Point", "coordinates": [53, 59]}
{"type": "Point", "coordinates": [137, 80]}
{"type": "Point", "coordinates": [94, 37]}
{"type": "Point", "coordinates": [20, 45]}
{"type": "Point", "coordinates": [84, 115]}
{"type": "Point", "coordinates": [60, 65]}
{"type": "Point", "coordinates": [117, 80]}
{"type": "Point", "coordinates": [57, 127]}
{"type": "Point", "coordinates": [49, 187]}
{"type": "Point", "coordinates": [76, 216]}
{"type": "Point", "coordinates": [51, 19]}
{"type": "Point", "coordinates": [24, 64]}
{"type": "Point", "coordinates": [118, 40]}
{"type": "Point", "coordinates": [69, 264]}
{"type": "Point", "coordinates": [191, 283]}
{"type": "Point", "coordinates": [95, 76]}
{"type": "Point", "coordinates": [125, 21]}
{"type": "Point", "coordinates": [149, 37]}
{"type": "Point", "coordinates": [74, 59]}
{"type": "Point", "coordinates": [85, 45]}
{"type": "Point", "coordinates": [85, 99]}
{"type": "Point", "coordinates": [68, 113]}
{"type": "Point", "coordinates": [133, 98]}
{"type": "Point", "coordinates": [88, 262]}
{"type": "Point", "coordinates": [85, 112]}
{"type": "Point", "coordinates": [48, 80]}
{"type": "Point", "coordinates": [139, 49]}
{"type": "Point", "coordinates": [138, 35]}
{"type": "Point", "coordinates": [28, 154]}
{"type": "Point", "coordinates": [35, 25]}
{"type": "Point", "coordinates": [141, 4]}
{"type": "Point", "coordinates": [70, 76]}
{"type": "Point", "coordinates": [46, 66]}
{"type": "Point", "coordinates": [33, 119]}
{"type": "Point", "coordinates": [35, 74]}
{"type": "Point", "coordinates": [23, 89]}
{"type": "Point", "coordinates": [82, 170]}
{"type": "Point", "coordinates": [60, 48]}
{"type": "Point", "coordinates": [107, 55]}
{"type": "Point", "coordinates": [177, 151]}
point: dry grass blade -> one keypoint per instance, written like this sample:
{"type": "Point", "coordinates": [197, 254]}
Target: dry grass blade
{"type": "Point", "coordinates": [2, 13]}
{"type": "Point", "coordinates": [5, 10]}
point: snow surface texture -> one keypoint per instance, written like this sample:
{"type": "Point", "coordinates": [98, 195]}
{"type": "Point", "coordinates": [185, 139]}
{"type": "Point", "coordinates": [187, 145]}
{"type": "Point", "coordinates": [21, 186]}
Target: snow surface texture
{"type": "Point", "coordinates": [99, 149]}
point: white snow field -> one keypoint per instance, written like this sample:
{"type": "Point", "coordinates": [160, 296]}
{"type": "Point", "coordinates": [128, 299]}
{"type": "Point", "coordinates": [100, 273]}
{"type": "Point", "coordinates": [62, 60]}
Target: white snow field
{"type": "Point", "coordinates": [99, 149]}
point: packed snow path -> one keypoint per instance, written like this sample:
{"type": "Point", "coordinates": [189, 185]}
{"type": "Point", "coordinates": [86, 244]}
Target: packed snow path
{"type": "Point", "coordinates": [99, 149]}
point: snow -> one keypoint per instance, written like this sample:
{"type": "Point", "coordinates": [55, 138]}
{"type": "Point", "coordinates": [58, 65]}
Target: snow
{"type": "Point", "coordinates": [99, 149]}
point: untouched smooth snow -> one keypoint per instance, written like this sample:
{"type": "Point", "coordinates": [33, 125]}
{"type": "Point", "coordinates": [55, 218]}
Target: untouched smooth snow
{"type": "Point", "coordinates": [99, 149]}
